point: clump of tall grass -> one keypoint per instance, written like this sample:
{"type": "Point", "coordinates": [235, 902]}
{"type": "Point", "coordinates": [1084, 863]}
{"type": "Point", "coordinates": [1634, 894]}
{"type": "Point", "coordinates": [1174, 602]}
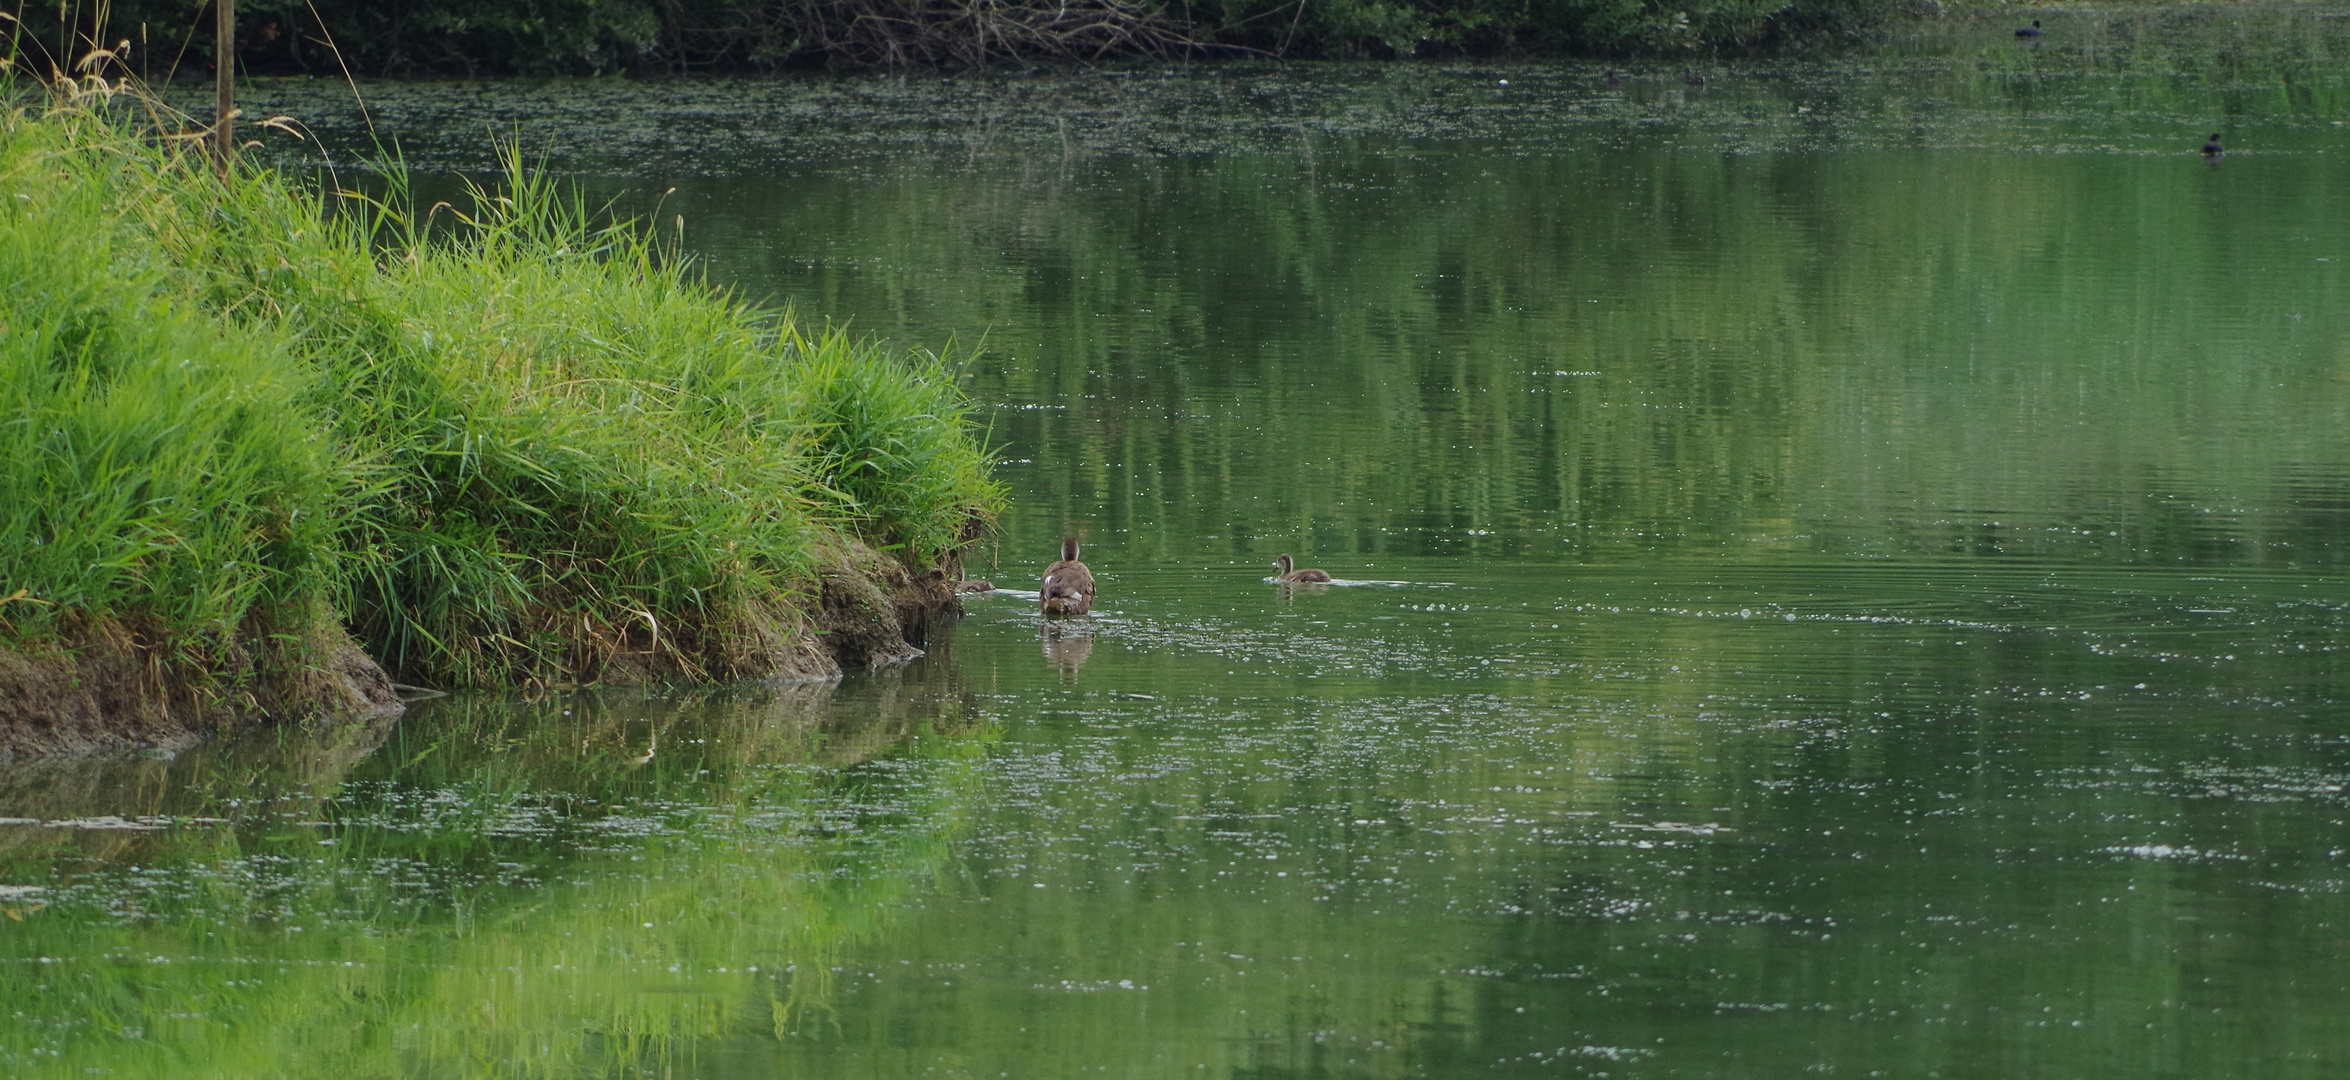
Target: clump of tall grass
{"type": "Point", "coordinates": [551, 447]}
{"type": "Point", "coordinates": [891, 443]}
{"type": "Point", "coordinates": [157, 468]}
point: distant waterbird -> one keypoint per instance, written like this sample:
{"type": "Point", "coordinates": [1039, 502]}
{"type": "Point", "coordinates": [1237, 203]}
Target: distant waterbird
{"type": "Point", "coordinates": [1689, 76]}
{"type": "Point", "coordinates": [2031, 31]}
{"type": "Point", "coordinates": [975, 585]}
{"type": "Point", "coordinates": [1068, 584]}
{"type": "Point", "coordinates": [2212, 150]}
{"type": "Point", "coordinates": [1291, 575]}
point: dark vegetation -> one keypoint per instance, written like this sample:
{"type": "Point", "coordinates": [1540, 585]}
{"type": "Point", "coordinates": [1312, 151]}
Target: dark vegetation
{"type": "Point", "coordinates": [501, 443]}
{"type": "Point", "coordinates": [481, 37]}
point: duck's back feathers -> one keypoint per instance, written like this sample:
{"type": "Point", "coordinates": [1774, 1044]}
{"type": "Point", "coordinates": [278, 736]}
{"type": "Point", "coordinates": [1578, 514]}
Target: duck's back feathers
{"type": "Point", "coordinates": [1068, 584]}
{"type": "Point", "coordinates": [1290, 574]}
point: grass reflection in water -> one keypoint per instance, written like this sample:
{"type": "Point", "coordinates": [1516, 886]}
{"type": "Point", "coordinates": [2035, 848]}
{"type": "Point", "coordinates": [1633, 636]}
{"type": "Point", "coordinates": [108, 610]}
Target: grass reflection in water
{"type": "Point", "coordinates": [493, 888]}
{"type": "Point", "coordinates": [1862, 553]}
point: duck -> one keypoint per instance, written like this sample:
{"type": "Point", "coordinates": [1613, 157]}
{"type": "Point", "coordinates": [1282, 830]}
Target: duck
{"type": "Point", "coordinates": [975, 585]}
{"type": "Point", "coordinates": [1691, 77]}
{"type": "Point", "coordinates": [2031, 31]}
{"type": "Point", "coordinates": [2212, 150]}
{"type": "Point", "coordinates": [1068, 585]}
{"type": "Point", "coordinates": [1291, 575]}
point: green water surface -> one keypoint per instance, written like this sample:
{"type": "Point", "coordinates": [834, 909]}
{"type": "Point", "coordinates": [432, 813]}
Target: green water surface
{"type": "Point", "coordinates": [1843, 573]}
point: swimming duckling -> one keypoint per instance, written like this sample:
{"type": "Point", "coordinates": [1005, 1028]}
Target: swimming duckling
{"type": "Point", "coordinates": [975, 585]}
{"type": "Point", "coordinates": [1690, 77]}
{"type": "Point", "coordinates": [2031, 31]}
{"type": "Point", "coordinates": [1290, 575]}
{"type": "Point", "coordinates": [1068, 585]}
{"type": "Point", "coordinates": [2213, 151]}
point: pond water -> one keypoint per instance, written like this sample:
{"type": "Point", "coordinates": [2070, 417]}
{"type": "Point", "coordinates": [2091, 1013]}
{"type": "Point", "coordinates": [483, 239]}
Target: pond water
{"type": "Point", "coordinates": [1843, 573]}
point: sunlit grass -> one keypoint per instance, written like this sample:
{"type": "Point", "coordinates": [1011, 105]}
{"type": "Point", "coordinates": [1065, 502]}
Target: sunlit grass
{"type": "Point", "coordinates": [159, 466]}
{"type": "Point", "coordinates": [510, 441]}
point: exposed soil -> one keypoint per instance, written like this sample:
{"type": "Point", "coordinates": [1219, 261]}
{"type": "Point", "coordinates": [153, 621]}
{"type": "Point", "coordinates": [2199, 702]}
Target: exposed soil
{"type": "Point", "coordinates": [867, 610]}
{"type": "Point", "coordinates": [106, 686]}
{"type": "Point", "coordinates": [873, 611]}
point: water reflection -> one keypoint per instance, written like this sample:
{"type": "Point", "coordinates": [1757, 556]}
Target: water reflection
{"type": "Point", "coordinates": [1727, 836]}
{"type": "Point", "coordinates": [127, 807]}
{"type": "Point", "coordinates": [1845, 576]}
{"type": "Point", "coordinates": [1066, 647]}
{"type": "Point", "coordinates": [582, 881]}
{"type": "Point", "coordinates": [1289, 591]}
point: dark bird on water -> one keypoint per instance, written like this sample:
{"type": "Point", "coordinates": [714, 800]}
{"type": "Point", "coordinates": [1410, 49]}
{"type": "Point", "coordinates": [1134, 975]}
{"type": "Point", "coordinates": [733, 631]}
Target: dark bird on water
{"type": "Point", "coordinates": [2213, 151]}
{"type": "Point", "coordinates": [1068, 585]}
{"type": "Point", "coordinates": [1291, 575]}
{"type": "Point", "coordinates": [1691, 77]}
{"type": "Point", "coordinates": [975, 585]}
{"type": "Point", "coordinates": [2031, 31]}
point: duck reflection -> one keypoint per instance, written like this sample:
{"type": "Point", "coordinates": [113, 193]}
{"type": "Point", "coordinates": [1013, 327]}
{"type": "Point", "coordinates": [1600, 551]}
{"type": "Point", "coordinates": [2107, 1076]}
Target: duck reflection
{"type": "Point", "coordinates": [1288, 590]}
{"type": "Point", "coordinates": [1066, 646]}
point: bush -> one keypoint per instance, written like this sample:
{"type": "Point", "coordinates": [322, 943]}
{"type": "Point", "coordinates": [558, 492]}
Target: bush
{"type": "Point", "coordinates": [471, 37]}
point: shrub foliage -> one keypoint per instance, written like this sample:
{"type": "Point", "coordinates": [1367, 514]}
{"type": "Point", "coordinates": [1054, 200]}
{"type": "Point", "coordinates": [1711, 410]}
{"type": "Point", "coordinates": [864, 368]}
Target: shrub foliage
{"type": "Point", "coordinates": [470, 37]}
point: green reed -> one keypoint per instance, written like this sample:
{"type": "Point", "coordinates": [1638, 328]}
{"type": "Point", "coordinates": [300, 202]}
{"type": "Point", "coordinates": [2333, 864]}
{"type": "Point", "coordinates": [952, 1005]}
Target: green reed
{"type": "Point", "coordinates": [159, 466]}
{"type": "Point", "coordinates": [509, 440]}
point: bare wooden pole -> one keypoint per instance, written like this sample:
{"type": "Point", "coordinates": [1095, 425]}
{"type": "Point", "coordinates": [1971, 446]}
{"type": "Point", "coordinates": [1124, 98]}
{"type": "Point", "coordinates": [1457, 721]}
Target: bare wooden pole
{"type": "Point", "coordinates": [224, 62]}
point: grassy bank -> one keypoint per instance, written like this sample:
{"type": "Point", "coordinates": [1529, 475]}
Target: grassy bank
{"type": "Point", "coordinates": [500, 442]}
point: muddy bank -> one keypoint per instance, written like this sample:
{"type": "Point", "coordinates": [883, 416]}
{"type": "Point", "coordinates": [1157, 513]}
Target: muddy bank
{"type": "Point", "coordinates": [113, 686]}
{"type": "Point", "coordinates": [864, 609]}
{"type": "Point", "coordinates": [871, 610]}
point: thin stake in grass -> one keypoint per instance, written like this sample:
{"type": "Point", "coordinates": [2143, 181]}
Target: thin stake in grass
{"type": "Point", "coordinates": [224, 61]}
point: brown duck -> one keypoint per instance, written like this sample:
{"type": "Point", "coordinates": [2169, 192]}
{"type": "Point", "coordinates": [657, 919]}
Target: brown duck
{"type": "Point", "coordinates": [1068, 585]}
{"type": "Point", "coordinates": [1290, 574]}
